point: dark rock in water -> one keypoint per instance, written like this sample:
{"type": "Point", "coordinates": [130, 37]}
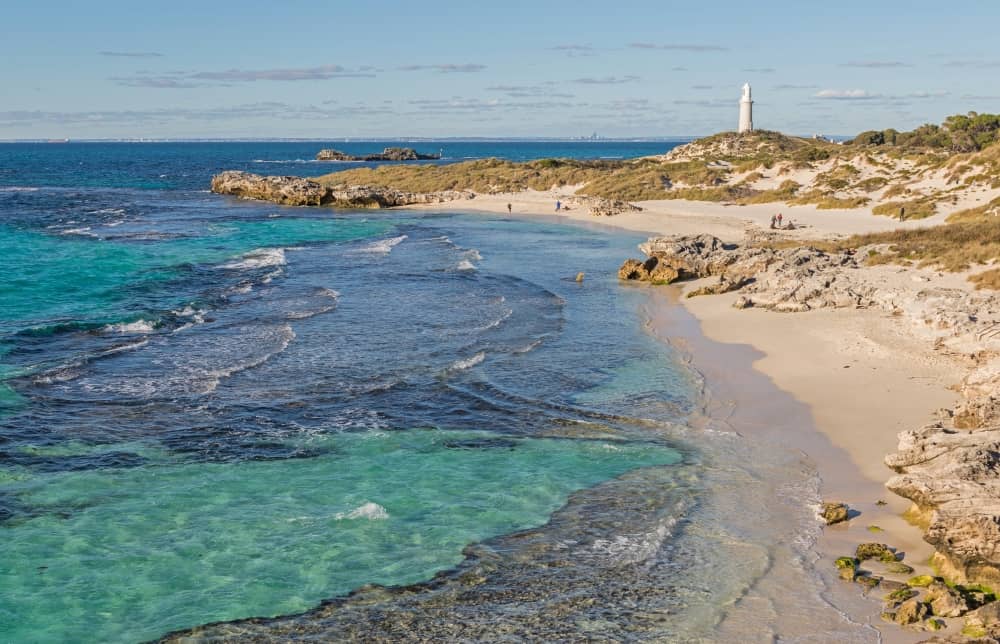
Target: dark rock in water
{"type": "Point", "coordinates": [73, 463]}
{"type": "Point", "coordinates": [834, 512]}
{"type": "Point", "coordinates": [387, 154]}
{"type": "Point", "coordinates": [878, 551]}
{"type": "Point", "coordinates": [482, 443]}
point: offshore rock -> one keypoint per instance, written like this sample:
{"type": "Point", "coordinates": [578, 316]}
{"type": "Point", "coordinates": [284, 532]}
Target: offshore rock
{"type": "Point", "coordinates": [296, 191]}
{"type": "Point", "coordinates": [388, 154]}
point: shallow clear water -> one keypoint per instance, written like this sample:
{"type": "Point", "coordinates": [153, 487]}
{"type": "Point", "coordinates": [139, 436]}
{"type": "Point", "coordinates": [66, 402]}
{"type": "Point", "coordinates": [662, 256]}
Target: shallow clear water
{"type": "Point", "coordinates": [215, 409]}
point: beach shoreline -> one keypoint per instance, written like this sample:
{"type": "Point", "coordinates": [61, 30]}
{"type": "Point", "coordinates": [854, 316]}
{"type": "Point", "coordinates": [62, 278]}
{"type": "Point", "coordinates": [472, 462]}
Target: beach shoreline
{"type": "Point", "coordinates": [853, 378]}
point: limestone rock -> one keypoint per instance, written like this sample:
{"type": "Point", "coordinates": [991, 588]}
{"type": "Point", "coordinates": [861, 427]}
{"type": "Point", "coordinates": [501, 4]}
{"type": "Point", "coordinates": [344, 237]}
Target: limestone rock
{"type": "Point", "coordinates": [878, 551]}
{"type": "Point", "coordinates": [911, 611]}
{"type": "Point", "coordinates": [945, 601]}
{"type": "Point", "coordinates": [834, 512]}
{"type": "Point", "coordinates": [291, 191]}
{"type": "Point", "coordinates": [651, 270]}
{"type": "Point", "coordinates": [296, 191]}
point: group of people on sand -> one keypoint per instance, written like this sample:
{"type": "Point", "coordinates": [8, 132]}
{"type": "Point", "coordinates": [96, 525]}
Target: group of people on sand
{"type": "Point", "coordinates": [559, 206]}
{"type": "Point", "coordinates": [776, 223]}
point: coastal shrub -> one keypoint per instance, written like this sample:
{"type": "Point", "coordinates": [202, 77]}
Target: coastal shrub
{"type": "Point", "coordinates": [895, 191]}
{"type": "Point", "coordinates": [916, 209]}
{"type": "Point", "coordinates": [871, 184]}
{"type": "Point", "coordinates": [987, 280]}
{"type": "Point", "coordinates": [987, 212]}
{"type": "Point", "coordinates": [784, 192]}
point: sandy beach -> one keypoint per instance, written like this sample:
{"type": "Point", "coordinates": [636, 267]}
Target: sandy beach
{"type": "Point", "coordinates": [676, 217]}
{"type": "Point", "coordinates": [858, 377]}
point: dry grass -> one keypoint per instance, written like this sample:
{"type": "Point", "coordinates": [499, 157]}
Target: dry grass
{"type": "Point", "coordinates": [916, 209]}
{"type": "Point", "coordinates": [988, 212]}
{"type": "Point", "coordinates": [987, 280]}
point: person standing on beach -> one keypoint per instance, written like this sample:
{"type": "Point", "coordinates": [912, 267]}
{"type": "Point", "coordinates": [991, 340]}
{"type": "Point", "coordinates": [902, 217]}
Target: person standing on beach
{"type": "Point", "coordinates": [902, 213]}
{"type": "Point", "coordinates": [558, 205]}
{"type": "Point", "coordinates": [774, 218]}
{"type": "Point", "coordinates": [779, 220]}
{"type": "Point", "coordinates": [509, 208]}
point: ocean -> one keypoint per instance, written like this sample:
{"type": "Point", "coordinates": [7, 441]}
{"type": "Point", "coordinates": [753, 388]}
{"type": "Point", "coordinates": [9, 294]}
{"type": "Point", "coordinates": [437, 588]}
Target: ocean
{"type": "Point", "coordinates": [368, 423]}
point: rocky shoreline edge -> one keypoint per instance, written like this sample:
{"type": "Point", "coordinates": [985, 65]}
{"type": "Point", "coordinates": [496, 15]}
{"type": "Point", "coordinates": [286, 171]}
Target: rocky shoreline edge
{"type": "Point", "coordinates": [299, 191]}
{"type": "Point", "coordinates": [949, 469]}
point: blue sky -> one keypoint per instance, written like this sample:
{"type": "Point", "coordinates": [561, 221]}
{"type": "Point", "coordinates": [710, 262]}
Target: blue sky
{"type": "Point", "coordinates": [449, 68]}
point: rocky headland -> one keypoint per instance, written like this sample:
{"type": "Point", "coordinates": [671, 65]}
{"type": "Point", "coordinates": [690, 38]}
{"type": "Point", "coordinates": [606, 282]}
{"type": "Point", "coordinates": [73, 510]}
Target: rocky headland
{"type": "Point", "coordinates": [297, 191]}
{"type": "Point", "coordinates": [388, 154]}
{"type": "Point", "coordinates": [950, 468]}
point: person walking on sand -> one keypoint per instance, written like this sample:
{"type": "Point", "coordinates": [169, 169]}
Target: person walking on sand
{"type": "Point", "coordinates": [774, 218]}
{"type": "Point", "coordinates": [509, 208]}
{"type": "Point", "coordinates": [902, 213]}
{"type": "Point", "coordinates": [558, 205]}
{"type": "Point", "coordinates": [779, 220]}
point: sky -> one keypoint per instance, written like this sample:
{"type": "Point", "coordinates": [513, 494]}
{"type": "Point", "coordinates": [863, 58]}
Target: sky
{"type": "Point", "coordinates": [441, 68]}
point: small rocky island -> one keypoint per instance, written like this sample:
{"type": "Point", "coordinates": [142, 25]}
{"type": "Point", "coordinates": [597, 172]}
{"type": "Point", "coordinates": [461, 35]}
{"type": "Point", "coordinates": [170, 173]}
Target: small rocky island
{"type": "Point", "coordinates": [387, 154]}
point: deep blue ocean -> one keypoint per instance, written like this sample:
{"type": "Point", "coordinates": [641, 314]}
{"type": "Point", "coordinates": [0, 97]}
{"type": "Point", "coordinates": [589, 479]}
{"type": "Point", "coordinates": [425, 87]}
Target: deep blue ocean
{"type": "Point", "coordinates": [213, 409]}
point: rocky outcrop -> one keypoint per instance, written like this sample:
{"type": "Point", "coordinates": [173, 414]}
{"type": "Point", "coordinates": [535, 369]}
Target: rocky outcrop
{"type": "Point", "coordinates": [388, 154]}
{"type": "Point", "coordinates": [949, 469]}
{"type": "Point", "coordinates": [290, 191]}
{"type": "Point", "coordinates": [296, 191]}
{"type": "Point", "coordinates": [601, 207]}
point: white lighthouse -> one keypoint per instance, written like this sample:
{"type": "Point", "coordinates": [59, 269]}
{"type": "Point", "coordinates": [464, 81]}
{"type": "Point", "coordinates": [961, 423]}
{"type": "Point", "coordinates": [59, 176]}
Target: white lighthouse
{"type": "Point", "coordinates": [746, 110]}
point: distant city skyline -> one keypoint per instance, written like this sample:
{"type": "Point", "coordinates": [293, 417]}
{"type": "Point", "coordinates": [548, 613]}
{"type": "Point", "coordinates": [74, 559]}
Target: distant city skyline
{"type": "Point", "coordinates": [636, 68]}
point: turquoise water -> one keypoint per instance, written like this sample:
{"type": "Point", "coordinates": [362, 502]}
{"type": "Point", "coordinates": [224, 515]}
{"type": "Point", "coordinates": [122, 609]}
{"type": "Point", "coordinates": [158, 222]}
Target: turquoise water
{"type": "Point", "coordinates": [124, 555]}
{"type": "Point", "coordinates": [214, 409]}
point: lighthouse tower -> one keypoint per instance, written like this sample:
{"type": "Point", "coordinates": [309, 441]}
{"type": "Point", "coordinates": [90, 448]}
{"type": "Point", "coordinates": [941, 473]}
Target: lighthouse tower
{"type": "Point", "coordinates": [746, 111]}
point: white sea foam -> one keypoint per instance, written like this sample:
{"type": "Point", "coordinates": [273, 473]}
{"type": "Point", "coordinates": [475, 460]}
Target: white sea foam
{"type": "Point", "coordinates": [497, 322]}
{"type": "Point", "coordinates": [383, 246]}
{"type": "Point", "coordinates": [85, 231]}
{"type": "Point", "coordinates": [139, 326]}
{"type": "Point", "coordinates": [260, 258]}
{"type": "Point", "coordinates": [466, 265]}
{"type": "Point", "coordinates": [467, 363]}
{"type": "Point", "coordinates": [472, 255]}
{"type": "Point", "coordinates": [18, 189]}
{"type": "Point", "coordinates": [528, 349]}
{"type": "Point", "coordinates": [370, 511]}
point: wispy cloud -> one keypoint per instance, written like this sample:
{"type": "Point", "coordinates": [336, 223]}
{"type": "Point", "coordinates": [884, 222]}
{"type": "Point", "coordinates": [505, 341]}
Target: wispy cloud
{"type": "Point", "coordinates": [846, 95]}
{"type": "Point", "coordinates": [606, 80]}
{"type": "Point", "coordinates": [759, 70]}
{"type": "Point", "coordinates": [876, 64]}
{"type": "Point", "coordinates": [977, 64]}
{"type": "Point", "coordinates": [131, 54]}
{"type": "Point", "coordinates": [262, 110]}
{"type": "Point", "coordinates": [710, 103]}
{"type": "Point", "coordinates": [193, 79]}
{"type": "Point", "coordinates": [678, 47]}
{"type": "Point", "coordinates": [323, 72]}
{"type": "Point", "coordinates": [787, 86]}
{"type": "Point", "coordinates": [576, 49]}
{"type": "Point", "coordinates": [701, 87]}
{"type": "Point", "coordinates": [980, 97]}
{"type": "Point", "coordinates": [888, 99]}
{"type": "Point", "coordinates": [446, 68]}
{"type": "Point", "coordinates": [547, 89]}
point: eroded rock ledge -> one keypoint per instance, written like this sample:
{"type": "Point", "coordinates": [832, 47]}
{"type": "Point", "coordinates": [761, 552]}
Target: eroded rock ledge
{"type": "Point", "coordinates": [949, 469]}
{"type": "Point", "coordinates": [297, 191]}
